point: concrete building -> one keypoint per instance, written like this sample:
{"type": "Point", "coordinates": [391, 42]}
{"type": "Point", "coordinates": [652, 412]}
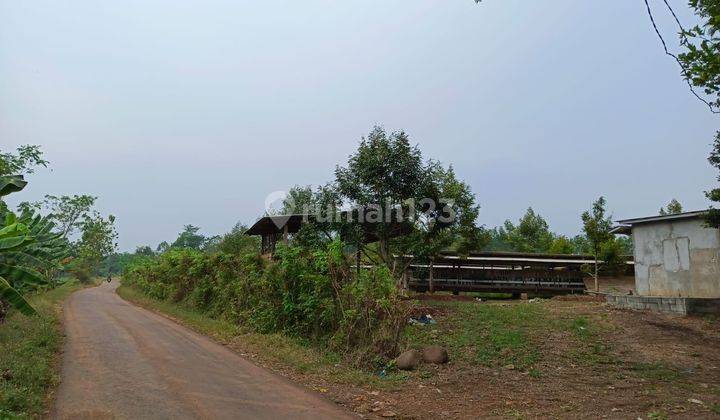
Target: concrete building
{"type": "Point", "coordinates": [677, 263]}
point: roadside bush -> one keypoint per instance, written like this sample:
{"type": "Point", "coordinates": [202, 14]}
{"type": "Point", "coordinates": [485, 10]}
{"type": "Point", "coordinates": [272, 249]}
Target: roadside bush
{"type": "Point", "coordinates": [311, 294]}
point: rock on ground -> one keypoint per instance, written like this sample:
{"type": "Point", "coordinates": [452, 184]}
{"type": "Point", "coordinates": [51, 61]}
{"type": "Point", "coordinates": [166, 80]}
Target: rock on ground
{"type": "Point", "coordinates": [435, 354]}
{"type": "Point", "coordinates": [408, 360]}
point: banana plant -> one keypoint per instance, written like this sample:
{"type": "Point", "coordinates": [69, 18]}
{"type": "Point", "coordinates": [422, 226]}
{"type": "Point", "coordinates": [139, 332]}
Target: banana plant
{"type": "Point", "coordinates": [49, 248]}
{"type": "Point", "coordinates": [15, 236]}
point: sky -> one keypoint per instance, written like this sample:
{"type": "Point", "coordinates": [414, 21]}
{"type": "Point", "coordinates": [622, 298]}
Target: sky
{"type": "Point", "coordinates": [193, 112]}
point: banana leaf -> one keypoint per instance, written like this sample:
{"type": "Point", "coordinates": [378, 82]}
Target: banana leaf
{"type": "Point", "coordinates": [9, 294]}
{"type": "Point", "coordinates": [21, 276]}
{"type": "Point", "coordinates": [11, 183]}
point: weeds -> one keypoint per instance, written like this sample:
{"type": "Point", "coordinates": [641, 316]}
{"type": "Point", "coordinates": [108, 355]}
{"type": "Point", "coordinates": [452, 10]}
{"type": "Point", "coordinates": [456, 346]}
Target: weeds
{"type": "Point", "coordinates": [29, 347]}
{"type": "Point", "coordinates": [312, 296]}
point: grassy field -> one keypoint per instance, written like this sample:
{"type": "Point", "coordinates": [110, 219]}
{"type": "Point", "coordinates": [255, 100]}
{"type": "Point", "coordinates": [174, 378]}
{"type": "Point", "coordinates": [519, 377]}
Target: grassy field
{"type": "Point", "coordinates": [29, 355]}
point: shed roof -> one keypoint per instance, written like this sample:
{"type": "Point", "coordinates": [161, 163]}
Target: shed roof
{"type": "Point", "coordinates": [269, 225]}
{"type": "Point", "coordinates": [276, 224]}
{"type": "Point", "coordinates": [665, 218]}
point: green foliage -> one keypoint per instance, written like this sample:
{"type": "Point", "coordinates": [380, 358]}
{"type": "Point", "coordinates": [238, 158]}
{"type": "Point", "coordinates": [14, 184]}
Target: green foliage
{"type": "Point", "coordinates": [309, 294]}
{"type": "Point", "coordinates": [713, 217]}
{"type": "Point", "coordinates": [700, 60]}
{"type": "Point", "coordinates": [562, 245]}
{"type": "Point", "coordinates": [532, 233]}
{"type": "Point", "coordinates": [98, 240]}
{"type": "Point", "coordinates": [29, 347]}
{"type": "Point", "coordinates": [597, 226]}
{"type": "Point", "coordinates": [69, 211]}
{"type": "Point", "coordinates": [700, 63]}
{"type": "Point", "coordinates": [117, 263]}
{"type": "Point", "coordinates": [390, 182]}
{"type": "Point", "coordinates": [236, 242]}
{"type": "Point", "coordinates": [600, 242]}
{"type": "Point", "coordinates": [162, 247]}
{"type": "Point", "coordinates": [190, 238]}
{"type": "Point", "coordinates": [673, 207]}
{"type": "Point", "coordinates": [299, 200]}
{"type": "Point", "coordinates": [611, 253]}
{"type": "Point", "coordinates": [23, 161]}
{"type": "Point", "coordinates": [10, 184]}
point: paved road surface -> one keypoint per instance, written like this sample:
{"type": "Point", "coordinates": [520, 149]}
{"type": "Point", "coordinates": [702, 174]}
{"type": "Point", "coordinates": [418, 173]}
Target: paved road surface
{"type": "Point", "coordinates": [124, 362]}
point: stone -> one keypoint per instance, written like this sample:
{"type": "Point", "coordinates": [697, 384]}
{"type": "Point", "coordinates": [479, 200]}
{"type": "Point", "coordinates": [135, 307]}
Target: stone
{"type": "Point", "coordinates": [435, 354]}
{"type": "Point", "coordinates": [408, 360]}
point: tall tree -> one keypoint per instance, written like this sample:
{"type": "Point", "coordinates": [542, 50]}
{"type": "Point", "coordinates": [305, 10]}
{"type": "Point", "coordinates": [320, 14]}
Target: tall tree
{"type": "Point", "coordinates": [447, 221]}
{"type": "Point", "coordinates": [390, 184]}
{"type": "Point", "coordinates": [381, 178]}
{"type": "Point", "coordinates": [597, 228]}
{"type": "Point", "coordinates": [98, 240]}
{"type": "Point", "coordinates": [70, 212]}
{"type": "Point", "coordinates": [531, 234]}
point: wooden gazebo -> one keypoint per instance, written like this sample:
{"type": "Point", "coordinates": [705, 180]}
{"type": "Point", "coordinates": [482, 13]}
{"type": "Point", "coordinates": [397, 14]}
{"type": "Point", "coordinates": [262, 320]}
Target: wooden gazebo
{"type": "Point", "coordinates": [274, 228]}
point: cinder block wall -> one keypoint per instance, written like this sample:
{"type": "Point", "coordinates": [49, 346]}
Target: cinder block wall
{"type": "Point", "coordinates": [677, 259]}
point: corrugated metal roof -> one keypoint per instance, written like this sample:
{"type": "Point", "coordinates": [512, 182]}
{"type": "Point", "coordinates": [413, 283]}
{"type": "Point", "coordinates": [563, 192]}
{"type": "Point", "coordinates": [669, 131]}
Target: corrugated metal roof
{"type": "Point", "coordinates": [653, 219]}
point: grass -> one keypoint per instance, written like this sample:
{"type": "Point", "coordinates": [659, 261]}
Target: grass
{"type": "Point", "coordinates": [488, 334]}
{"type": "Point", "coordinates": [513, 334]}
{"type": "Point", "coordinates": [29, 355]}
{"type": "Point", "coordinates": [277, 351]}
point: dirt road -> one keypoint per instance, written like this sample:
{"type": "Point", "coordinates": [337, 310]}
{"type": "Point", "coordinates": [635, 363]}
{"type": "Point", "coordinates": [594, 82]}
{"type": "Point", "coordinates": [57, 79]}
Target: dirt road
{"type": "Point", "coordinates": [121, 361]}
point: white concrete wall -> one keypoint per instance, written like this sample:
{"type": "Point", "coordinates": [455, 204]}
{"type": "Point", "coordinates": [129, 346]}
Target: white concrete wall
{"type": "Point", "coordinates": [677, 258]}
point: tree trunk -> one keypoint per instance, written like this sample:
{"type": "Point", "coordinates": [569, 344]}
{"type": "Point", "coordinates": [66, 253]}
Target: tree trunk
{"type": "Point", "coordinates": [431, 280]}
{"type": "Point", "coordinates": [384, 254]}
{"type": "Point", "coordinates": [597, 286]}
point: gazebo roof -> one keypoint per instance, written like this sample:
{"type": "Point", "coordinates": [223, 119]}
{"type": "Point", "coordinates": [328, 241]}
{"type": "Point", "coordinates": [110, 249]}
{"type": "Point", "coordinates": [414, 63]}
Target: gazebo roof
{"type": "Point", "coordinates": [276, 224]}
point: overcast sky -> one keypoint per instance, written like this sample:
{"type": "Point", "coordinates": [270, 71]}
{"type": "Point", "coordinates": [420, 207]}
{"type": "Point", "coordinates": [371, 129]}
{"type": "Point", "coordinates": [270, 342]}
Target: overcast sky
{"type": "Point", "coordinates": [177, 112]}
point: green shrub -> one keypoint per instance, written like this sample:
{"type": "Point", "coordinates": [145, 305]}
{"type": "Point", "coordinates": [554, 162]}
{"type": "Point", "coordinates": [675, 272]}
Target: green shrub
{"type": "Point", "coordinates": [312, 294]}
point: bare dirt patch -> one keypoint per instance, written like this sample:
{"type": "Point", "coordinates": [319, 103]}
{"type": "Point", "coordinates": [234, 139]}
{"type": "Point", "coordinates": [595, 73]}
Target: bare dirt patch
{"type": "Point", "coordinates": [578, 360]}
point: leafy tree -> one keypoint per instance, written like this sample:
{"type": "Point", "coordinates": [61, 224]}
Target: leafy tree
{"type": "Point", "coordinates": [190, 238]}
{"type": "Point", "coordinates": [389, 182]}
{"type": "Point", "coordinates": [144, 250]}
{"type": "Point", "coordinates": [581, 244]}
{"type": "Point", "coordinates": [673, 207]}
{"type": "Point", "coordinates": [298, 200]}
{"type": "Point", "coordinates": [162, 247]}
{"type": "Point", "coordinates": [562, 245]}
{"type": "Point", "coordinates": [70, 212]}
{"type": "Point", "coordinates": [381, 177]}
{"type": "Point", "coordinates": [625, 243]}
{"type": "Point", "coordinates": [448, 220]}
{"type": "Point", "coordinates": [236, 242]}
{"type": "Point", "coordinates": [532, 233]}
{"type": "Point", "coordinates": [23, 161]}
{"type": "Point", "coordinates": [700, 60]}
{"type": "Point", "coordinates": [97, 242]}
{"type": "Point", "coordinates": [597, 232]}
